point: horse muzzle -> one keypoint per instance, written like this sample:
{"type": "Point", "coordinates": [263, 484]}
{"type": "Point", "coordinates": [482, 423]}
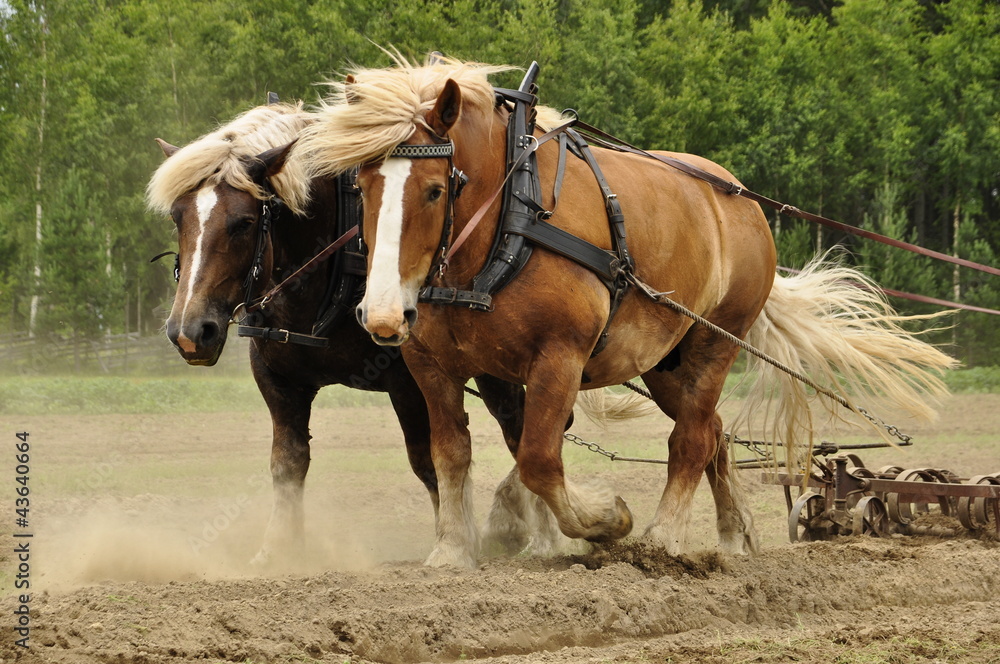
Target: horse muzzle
{"type": "Point", "coordinates": [387, 330]}
{"type": "Point", "coordinates": [199, 342]}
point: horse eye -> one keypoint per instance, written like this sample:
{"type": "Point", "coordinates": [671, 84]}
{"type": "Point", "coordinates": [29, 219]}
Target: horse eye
{"type": "Point", "coordinates": [434, 194]}
{"type": "Point", "coordinates": [240, 225]}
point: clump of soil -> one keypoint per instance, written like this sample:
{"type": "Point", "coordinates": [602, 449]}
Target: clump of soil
{"type": "Point", "coordinates": [652, 559]}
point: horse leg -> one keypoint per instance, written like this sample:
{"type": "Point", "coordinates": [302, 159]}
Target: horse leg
{"type": "Point", "coordinates": [518, 519]}
{"type": "Point", "coordinates": [734, 518]}
{"type": "Point", "coordinates": [411, 411]}
{"type": "Point", "coordinates": [290, 405]}
{"type": "Point", "coordinates": [584, 511]}
{"type": "Point", "coordinates": [689, 394]}
{"type": "Point", "coordinates": [457, 541]}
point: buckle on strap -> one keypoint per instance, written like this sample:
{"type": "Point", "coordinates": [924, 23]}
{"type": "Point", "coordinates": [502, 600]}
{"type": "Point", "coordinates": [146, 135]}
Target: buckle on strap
{"type": "Point", "coordinates": [282, 336]}
{"type": "Point", "coordinates": [472, 299]}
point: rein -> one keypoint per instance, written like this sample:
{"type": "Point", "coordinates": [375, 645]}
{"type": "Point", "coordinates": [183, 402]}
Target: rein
{"type": "Point", "coordinates": [340, 292]}
{"type": "Point", "coordinates": [535, 143]}
{"type": "Point", "coordinates": [262, 301]}
{"type": "Point", "coordinates": [456, 182]}
{"type": "Point", "coordinates": [613, 143]}
{"type": "Point", "coordinates": [252, 309]}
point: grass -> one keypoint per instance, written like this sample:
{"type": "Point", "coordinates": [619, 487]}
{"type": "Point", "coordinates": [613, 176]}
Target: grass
{"type": "Point", "coordinates": [100, 395]}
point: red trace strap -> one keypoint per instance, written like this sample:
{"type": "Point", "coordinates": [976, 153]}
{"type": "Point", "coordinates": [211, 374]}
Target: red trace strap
{"type": "Point", "coordinates": [926, 299]}
{"type": "Point", "coordinates": [737, 190]}
{"type": "Point", "coordinates": [933, 300]}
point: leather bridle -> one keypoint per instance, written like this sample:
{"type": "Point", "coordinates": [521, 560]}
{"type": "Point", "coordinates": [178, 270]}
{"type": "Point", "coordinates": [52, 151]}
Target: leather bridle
{"type": "Point", "coordinates": [456, 182]}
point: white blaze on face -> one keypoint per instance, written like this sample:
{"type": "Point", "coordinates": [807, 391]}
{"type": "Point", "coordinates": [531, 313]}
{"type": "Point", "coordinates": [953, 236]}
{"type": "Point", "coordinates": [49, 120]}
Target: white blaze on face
{"type": "Point", "coordinates": [383, 301]}
{"type": "Point", "coordinates": [205, 202]}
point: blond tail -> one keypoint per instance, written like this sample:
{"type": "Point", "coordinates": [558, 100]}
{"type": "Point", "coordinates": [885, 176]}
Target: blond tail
{"type": "Point", "coordinates": [603, 406]}
{"type": "Point", "coordinates": [832, 324]}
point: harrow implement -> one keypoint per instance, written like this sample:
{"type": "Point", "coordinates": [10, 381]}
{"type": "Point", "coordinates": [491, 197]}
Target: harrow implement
{"type": "Point", "coordinates": [842, 497]}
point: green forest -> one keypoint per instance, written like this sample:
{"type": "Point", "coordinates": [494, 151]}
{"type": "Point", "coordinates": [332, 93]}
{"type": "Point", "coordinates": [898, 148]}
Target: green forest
{"type": "Point", "coordinates": [882, 114]}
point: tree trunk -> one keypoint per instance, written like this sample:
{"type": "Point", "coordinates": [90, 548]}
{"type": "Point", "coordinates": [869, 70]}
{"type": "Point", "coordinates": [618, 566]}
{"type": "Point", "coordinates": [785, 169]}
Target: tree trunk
{"type": "Point", "coordinates": [956, 277]}
{"type": "Point", "coordinates": [37, 272]}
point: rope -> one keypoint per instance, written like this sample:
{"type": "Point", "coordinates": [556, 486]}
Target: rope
{"type": "Point", "coordinates": [662, 298]}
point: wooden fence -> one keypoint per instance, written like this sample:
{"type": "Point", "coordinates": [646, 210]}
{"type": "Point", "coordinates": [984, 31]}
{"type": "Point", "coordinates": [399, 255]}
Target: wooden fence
{"type": "Point", "coordinates": [120, 354]}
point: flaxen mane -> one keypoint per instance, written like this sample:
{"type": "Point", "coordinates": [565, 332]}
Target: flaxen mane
{"type": "Point", "coordinates": [374, 110]}
{"type": "Point", "coordinates": [221, 155]}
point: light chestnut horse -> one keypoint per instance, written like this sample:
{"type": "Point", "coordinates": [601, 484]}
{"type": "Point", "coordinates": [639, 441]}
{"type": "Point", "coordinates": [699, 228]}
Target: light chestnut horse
{"type": "Point", "coordinates": [712, 252]}
{"type": "Point", "coordinates": [216, 189]}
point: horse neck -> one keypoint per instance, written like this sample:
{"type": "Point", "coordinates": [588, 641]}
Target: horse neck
{"type": "Point", "coordinates": [473, 139]}
{"type": "Point", "coordinates": [298, 238]}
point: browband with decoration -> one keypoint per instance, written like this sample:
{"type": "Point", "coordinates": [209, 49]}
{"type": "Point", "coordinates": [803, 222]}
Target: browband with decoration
{"type": "Point", "coordinates": [408, 151]}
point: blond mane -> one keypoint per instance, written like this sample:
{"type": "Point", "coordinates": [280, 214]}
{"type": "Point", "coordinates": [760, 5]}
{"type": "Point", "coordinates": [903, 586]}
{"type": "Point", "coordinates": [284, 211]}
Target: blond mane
{"type": "Point", "coordinates": [219, 157]}
{"type": "Point", "coordinates": [366, 116]}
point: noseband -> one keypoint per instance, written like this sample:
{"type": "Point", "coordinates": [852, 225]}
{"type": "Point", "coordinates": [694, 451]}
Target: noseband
{"type": "Point", "coordinates": [456, 182]}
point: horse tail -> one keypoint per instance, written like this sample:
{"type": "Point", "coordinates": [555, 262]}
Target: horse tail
{"type": "Point", "coordinates": [832, 324]}
{"type": "Point", "coordinates": [604, 406]}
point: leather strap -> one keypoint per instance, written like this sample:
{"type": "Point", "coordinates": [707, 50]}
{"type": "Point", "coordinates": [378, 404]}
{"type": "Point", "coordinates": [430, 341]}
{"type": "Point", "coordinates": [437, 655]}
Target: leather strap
{"type": "Point", "coordinates": [295, 276]}
{"type": "Point", "coordinates": [518, 163]}
{"type": "Point", "coordinates": [517, 95]}
{"type": "Point", "coordinates": [926, 299]}
{"type": "Point", "coordinates": [555, 239]}
{"type": "Point", "coordinates": [474, 299]}
{"type": "Point", "coordinates": [616, 218]}
{"type": "Point", "coordinates": [347, 268]}
{"type": "Point", "coordinates": [355, 263]}
{"type": "Point", "coordinates": [281, 336]}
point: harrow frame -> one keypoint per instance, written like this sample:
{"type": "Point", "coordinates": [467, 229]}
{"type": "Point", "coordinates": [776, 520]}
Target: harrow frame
{"type": "Point", "coordinates": [840, 496]}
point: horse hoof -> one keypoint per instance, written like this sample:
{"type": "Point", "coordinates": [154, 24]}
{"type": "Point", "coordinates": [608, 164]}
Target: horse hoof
{"type": "Point", "coordinates": [442, 558]}
{"type": "Point", "coordinates": [617, 527]}
{"type": "Point", "coordinates": [437, 559]}
{"type": "Point", "coordinates": [659, 536]}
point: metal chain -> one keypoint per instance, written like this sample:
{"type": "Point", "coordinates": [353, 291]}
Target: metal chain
{"type": "Point", "coordinates": [593, 447]}
{"type": "Point", "coordinates": [756, 447]}
{"type": "Point", "coordinates": [614, 456]}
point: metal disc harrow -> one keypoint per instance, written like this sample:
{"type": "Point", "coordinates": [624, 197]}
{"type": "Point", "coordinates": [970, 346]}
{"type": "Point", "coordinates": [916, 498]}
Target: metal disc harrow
{"type": "Point", "coordinates": [843, 497]}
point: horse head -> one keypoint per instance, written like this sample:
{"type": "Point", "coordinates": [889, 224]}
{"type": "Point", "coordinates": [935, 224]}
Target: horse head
{"type": "Point", "coordinates": [410, 194]}
{"type": "Point", "coordinates": [219, 230]}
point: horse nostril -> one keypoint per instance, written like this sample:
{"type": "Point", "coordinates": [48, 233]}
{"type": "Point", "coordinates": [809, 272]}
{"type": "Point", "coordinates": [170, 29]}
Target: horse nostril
{"type": "Point", "coordinates": [173, 331]}
{"type": "Point", "coordinates": [209, 334]}
{"type": "Point", "coordinates": [359, 312]}
{"type": "Point", "coordinates": [410, 316]}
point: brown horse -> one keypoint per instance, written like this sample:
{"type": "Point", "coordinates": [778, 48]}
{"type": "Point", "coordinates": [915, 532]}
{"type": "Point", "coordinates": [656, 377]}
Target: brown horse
{"type": "Point", "coordinates": [216, 189]}
{"type": "Point", "coordinates": [712, 252]}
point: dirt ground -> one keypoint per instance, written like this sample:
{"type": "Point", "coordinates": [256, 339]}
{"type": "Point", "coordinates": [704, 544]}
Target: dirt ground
{"type": "Point", "coordinates": [142, 527]}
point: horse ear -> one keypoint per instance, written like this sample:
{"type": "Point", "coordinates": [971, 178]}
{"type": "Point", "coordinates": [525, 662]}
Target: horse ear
{"type": "Point", "coordinates": [270, 162]}
{"type": "Point", "coordinates": [168, 149]}
{"type": "Point", "coordinates": [350, 93]}
{"type": "Point", "coordinates": [446, 109]}
{"type": "Point", "coordinates": [272, 98]}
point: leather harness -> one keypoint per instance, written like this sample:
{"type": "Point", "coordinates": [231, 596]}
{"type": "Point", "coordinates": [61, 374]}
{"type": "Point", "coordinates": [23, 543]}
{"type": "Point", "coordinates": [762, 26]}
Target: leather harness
{"type": "Point", "coordinates": [346, 273]}
{"type": "Point", "coordinates": [524, 221]}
